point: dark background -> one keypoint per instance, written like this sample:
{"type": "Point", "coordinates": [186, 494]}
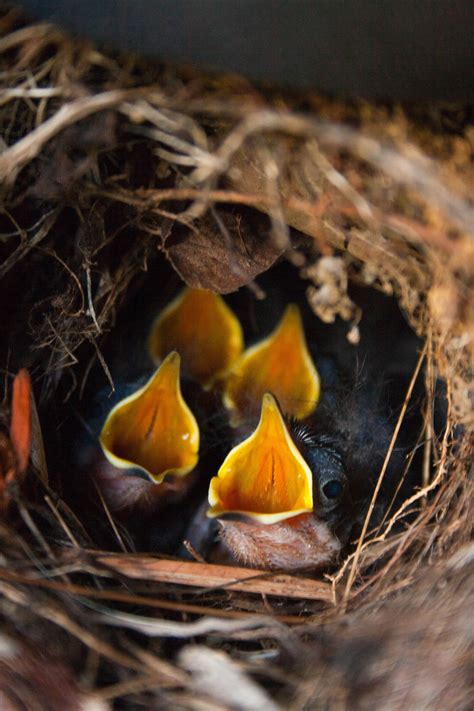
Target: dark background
{"type": "Point", "coordinates": [386, 49]}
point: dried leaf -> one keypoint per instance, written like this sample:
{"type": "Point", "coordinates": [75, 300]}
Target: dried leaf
{"type": "Point", "coordinates": [222, 256]}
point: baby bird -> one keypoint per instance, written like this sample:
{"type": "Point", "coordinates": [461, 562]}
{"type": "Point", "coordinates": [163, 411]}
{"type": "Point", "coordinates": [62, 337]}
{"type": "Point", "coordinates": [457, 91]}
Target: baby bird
{"type": "Point", "coordinates": [264, 498]}
{"type": "Point", "coordinates": [295, 485]}
{"type": "Point", "coordinates": [146, 460]}
{"type": "Point", "coordinates": [152, 435]}
{"type": "Point", "coordinates": [289, 495]}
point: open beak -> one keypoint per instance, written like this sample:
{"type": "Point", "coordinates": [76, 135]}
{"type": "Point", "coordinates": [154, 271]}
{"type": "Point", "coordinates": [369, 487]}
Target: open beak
{"type": "Point", "coordinates": [153, 430]}
{"type": "Point", "coordinates": [205, 332]}
{"type": "Point", "coordinates": [280, 364]}
{"type": "Point", "coordinates": [264, 478]}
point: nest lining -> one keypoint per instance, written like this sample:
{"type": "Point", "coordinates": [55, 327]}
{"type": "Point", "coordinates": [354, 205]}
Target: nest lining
{"type": "Point", "coordinates": [107, 160]}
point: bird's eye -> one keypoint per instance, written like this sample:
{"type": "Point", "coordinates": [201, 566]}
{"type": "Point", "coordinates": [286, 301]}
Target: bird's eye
{"type": "Point", "coordinates": [333, 489]}
{"type": "Point", "coordinates": [330, 481]}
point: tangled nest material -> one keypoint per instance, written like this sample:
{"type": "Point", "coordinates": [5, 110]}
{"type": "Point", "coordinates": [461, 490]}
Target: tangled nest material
{"type": "Point", "coordinates": [106, 161]}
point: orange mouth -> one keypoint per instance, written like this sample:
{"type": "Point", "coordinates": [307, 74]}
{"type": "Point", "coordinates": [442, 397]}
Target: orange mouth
{"type": "Point", "coordinates": [153, 429]}
{"type": "Point", "coordinates": [205, 332]}
{"type": "Point", "coordinates": [264, 477]}
{"type": "Point", "coordinates": [280, 364]}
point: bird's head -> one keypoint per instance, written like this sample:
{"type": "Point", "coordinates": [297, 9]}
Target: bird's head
{"type": "Point", "coordinates": [276, 496]}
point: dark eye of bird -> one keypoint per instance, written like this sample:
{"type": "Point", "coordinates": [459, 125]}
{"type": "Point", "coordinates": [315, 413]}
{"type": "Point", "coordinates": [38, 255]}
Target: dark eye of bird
{"type": "Point", "coordinates": [333, 489]}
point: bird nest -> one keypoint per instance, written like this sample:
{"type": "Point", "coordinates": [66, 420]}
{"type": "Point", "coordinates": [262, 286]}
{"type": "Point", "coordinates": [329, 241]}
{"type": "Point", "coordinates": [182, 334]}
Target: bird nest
{"type": "Point", "coordinates": [111, 165]}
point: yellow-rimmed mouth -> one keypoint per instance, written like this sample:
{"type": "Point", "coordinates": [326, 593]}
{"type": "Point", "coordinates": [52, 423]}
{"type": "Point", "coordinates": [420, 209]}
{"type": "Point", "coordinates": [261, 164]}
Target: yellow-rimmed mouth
{"type": "Point", "coordinates": [203, 329]}
{"type": "Point", "coordinates": [153, 429]}
{"type": "Point", "coordinates": [280, 364]}
{"type": "Point", "coordinates": [264, 477]}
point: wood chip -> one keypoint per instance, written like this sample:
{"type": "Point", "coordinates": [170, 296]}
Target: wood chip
{"type": "Point", "coordinates": [206, 575]}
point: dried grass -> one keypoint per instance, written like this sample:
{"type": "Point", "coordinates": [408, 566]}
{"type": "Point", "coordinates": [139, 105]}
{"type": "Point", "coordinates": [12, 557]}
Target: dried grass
{"type": "Point", "coordinates": [101, 154]}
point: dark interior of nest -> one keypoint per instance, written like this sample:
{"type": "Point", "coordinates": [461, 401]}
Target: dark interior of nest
{"type": "Point", "coordinates": [345, 440]}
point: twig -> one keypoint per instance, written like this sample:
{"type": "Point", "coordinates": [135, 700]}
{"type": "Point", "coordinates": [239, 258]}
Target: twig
{"type": "Point", "coordinates": [153, 627]}
{"type": "Point", "coordinates": [41, 31]}
{"type": "Point", "coordinates": [110, 518]}
{"type": "Point", "coordinates": [136, 600]}
{"type": "Point", "coordinates": [143, 682]}
{"type": "Point", "coordinates": [25, 514]}
{"type": "Point", "coordinates": [90, 299]}
{"type": "Point", "coordinates": [17, 92]}
{"type": "Point", "coordinates": [62, 522]}
{"type": "Point", "coordinates": [102, 361]}
{"type": "Point", "coordinates": [429, 386]}
{"type": "Point", "coordinates": [423, 493]}
{"type": "Point", "coordinates": [206, 575]}
{"type": "Point", "coordinates": [355, 561]}
{"type": "Point", "coordinates": [23, 151]}
{"type": "Point", "coordinates": [25, 246]}
{"type": "Point", "coordinates": [58, 617]}
{"type": "Point", "coordinates": [406, 469]}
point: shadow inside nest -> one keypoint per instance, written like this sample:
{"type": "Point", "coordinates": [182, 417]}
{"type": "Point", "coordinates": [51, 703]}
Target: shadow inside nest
{"type": "Point", "coordinates": [363, 390]}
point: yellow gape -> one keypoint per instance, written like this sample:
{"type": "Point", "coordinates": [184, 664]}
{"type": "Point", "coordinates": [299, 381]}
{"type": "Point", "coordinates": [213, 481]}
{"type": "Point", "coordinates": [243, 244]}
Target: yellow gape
{"type": "Point", "coordinates": [264, 477]}
{"type": "Point", "coordinates": [205, 332]}
{"type": "Point", "coordinates": [153, 429]}
{"type": "Point", "coordinates": [280, 364]}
